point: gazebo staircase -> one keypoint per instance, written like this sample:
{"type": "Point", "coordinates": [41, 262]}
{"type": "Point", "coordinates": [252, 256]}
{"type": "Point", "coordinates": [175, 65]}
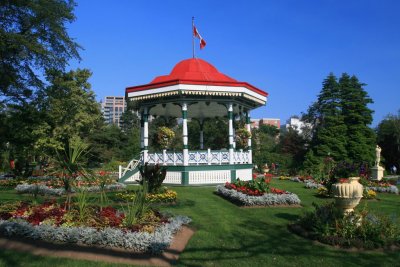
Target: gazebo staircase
{"type": "Point", "coordinates": [128, 172]}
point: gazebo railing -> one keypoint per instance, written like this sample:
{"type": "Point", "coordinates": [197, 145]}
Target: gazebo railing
{"type": "Point", "coordinates": [200, 157]}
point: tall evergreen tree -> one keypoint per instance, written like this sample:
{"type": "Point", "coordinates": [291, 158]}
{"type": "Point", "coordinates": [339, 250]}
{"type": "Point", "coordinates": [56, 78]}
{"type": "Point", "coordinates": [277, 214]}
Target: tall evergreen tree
{"type": "Point", "coordinates": [340, 117]}
{"type": "Point", "coordinates": [357, 116]}
{"type": "Point", "coordinates": [329, 138]}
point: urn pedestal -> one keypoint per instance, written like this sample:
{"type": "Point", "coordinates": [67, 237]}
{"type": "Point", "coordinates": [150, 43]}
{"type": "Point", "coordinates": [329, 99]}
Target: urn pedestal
{"type": "Point", "coordinates": [347, 195]}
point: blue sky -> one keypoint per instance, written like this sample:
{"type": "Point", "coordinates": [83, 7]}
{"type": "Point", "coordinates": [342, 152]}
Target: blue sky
{"type": "Point", "coordinates": [283, 47]}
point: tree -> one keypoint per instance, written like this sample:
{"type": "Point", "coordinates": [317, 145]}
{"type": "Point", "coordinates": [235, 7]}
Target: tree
{"type": "Point", "coordinates": [388, 137]}
{"type": "Point", "coordinates": [264, 142]}
{"type": "Point", "coordinates": [293, 145]}
{"type": "Point", "coordinates": [130, 118]}
{"type": "Point", "coordinates": [340, 119]}
{"type": "Point", "coordinates": [33, 38]}
{"type": "Point", "coordinates": [329, 136]}
{"type": "Point", "coordinates": [357, 116]}
{"type": "Point", "coordinates": [70, 108]}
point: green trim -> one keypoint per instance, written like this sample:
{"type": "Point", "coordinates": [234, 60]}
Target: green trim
{"type": "Point", "coordinates": [247, 119]}
{"type": "Point", "coordinates": [184, 114]}
{"type": "Point", "coordinates": [185, 147]}
{"type": "Point", "coordinates": [230, 146]}
{"type": "Point", "coordinates": [185, 178]}
{"type": "Point", "coordinates": [233, 176]}
{"type": "Point", "coordinates": [230, 115]}
{"type": "Point", "coordinates": [145, 118]}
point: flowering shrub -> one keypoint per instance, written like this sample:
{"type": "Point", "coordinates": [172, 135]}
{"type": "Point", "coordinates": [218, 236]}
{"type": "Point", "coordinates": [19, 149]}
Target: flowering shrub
{"type": "Point", "coordinates": [165, 136]}
{"type": "Point", "coordinates": [242, 137]}
{"type": "Point", "coordinates": [276, 197]}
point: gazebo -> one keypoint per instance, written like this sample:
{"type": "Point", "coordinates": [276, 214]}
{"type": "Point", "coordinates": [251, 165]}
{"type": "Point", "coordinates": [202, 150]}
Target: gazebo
{"type": "Point", "coordinates": [195, 89]}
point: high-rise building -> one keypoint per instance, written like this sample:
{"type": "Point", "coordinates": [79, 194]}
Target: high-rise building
{"type": "Point", "coordinates": [112, 108]}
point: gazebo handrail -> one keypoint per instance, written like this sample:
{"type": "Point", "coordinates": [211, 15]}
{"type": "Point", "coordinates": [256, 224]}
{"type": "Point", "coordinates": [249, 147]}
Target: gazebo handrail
{"type": "Point", "coordinates": [198, 157]}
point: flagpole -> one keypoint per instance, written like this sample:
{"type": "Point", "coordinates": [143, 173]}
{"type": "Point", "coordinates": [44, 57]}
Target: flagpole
{"type": "Point", "coordinates": [193, 36]}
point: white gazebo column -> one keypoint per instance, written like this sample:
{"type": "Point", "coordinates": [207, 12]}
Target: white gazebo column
{"type": "Point", "coordinates": [185, 135]}
{"type": "Point", "coordinates": [248, 127]}
{"type": "Point", "coordinates": [234, 134]}
{"type": "Point", "coordinates": [201, 134]}
{"type": "Point", "coordinates": [145, 134]}
{"type": "Point", "coordinates": [230, 118]}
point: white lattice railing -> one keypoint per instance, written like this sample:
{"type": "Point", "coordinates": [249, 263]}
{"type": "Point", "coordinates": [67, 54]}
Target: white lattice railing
{"type": "Point", "coordinates": [203, 157]}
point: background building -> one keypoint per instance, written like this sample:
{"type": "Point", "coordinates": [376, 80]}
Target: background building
{"type": "Point", "coordinates": [255, 123]}
{"type": "Point", "coordinates": [297, 124]}
{"type": "Point", "coordinates": [112, 108]}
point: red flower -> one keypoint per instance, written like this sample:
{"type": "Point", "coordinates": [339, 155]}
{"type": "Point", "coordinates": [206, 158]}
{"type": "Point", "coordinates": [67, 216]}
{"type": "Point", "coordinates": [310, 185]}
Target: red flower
{"type": "Point", "coordinates": [254, 176]}
{"type": "Point", "coordinates": [277, 191]}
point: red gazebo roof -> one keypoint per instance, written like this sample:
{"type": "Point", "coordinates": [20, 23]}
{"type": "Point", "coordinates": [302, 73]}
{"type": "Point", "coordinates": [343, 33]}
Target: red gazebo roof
{"type": "Point", "coordinates": [194, 71]}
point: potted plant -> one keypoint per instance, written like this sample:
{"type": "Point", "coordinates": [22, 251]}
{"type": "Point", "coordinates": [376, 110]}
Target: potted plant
{"type": "Point", "coordinates": [242, 137]}
{"type": "Point", "coordinates": [345, 186]}
{"type": "Point", "coordinates": [165, 136]}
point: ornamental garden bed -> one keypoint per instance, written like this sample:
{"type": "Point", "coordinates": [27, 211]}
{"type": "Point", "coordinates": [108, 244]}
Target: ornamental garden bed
{"type": "Point", "coordinates": [257, 193]}
{"type": "Point", "coordinates": [136, 228]}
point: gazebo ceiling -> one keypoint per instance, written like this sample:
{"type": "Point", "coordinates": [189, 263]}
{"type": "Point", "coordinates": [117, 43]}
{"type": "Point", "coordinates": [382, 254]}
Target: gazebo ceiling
{"type": "Point", "coordinates": [196, 110]}
{"type": "Point", "coordinates": [201, 86]}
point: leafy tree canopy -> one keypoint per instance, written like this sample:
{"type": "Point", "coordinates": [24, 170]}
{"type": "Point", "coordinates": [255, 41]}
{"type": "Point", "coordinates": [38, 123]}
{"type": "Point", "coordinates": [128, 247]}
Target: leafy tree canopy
{"type": "Point", "coordinates": [33, 39]}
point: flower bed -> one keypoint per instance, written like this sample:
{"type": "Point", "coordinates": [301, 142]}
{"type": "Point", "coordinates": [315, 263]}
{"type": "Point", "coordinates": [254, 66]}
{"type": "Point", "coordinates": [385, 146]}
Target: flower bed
{"type": "Point", "coordinates": [384, 189]}
{"type": "Point", "coordinates": [312, 184]}
{"type": "Point", "coordinates": [265, 199]}
{"type": "Point", "coordinates": [168, 196]}
{"type": "Point", "coordinates": [46, 190]}
{"type": "Point", "coordinates": [105, 227]}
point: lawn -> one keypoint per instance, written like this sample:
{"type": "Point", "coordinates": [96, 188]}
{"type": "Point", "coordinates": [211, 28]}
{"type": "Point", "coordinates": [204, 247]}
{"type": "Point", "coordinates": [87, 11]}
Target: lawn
{"type": "Point", "coordinates": [227, 235]}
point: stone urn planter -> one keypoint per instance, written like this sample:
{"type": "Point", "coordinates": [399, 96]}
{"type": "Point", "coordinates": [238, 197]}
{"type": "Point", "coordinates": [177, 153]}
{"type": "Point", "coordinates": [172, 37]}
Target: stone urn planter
{"type": "Point", "coordinates": [348, 194]}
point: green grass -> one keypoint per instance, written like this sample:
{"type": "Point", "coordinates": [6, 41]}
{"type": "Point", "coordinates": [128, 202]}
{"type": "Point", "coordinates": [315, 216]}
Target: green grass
{"type": "Point", "coordinates": [227, 235]}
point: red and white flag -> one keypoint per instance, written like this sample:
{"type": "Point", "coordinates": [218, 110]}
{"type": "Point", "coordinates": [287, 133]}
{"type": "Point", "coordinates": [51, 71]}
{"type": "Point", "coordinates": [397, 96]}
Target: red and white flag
{"type": "Point", "coordinates": [197, 34]}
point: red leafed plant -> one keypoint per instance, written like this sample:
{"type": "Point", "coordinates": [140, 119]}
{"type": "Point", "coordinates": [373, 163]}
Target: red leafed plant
{"type": "Point", "coordinates": [47, 210]}
{"type": "Point", "coordinates": [111, 217]}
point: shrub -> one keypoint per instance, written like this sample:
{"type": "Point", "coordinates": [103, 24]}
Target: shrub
{"type": "Point", "coordinates": [153, 175]}
{"type": "Point", "coordinates": [358, 229]}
